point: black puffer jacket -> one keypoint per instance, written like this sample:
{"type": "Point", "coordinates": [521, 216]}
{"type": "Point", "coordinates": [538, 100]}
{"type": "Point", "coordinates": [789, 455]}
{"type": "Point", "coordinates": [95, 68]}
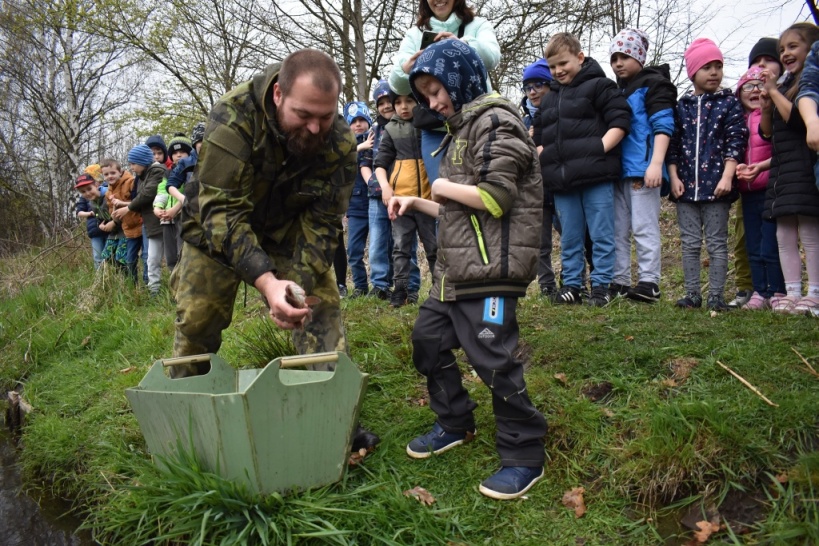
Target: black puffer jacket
{"type": "Point", "coordinates": [573, 119]}
{"type": "Point", "coordinates": [791, 184]}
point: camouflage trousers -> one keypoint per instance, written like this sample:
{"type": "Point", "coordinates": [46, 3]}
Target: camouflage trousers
{"type": "Point", "coordinates": [205, 292]}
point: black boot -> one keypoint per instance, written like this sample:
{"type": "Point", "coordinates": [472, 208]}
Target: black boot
{"type": "Point", "coordinates": [363, 438]}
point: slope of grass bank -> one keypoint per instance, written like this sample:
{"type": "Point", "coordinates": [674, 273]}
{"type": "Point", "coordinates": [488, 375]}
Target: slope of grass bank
{"type": "Point", "coordinates": [640, 414]}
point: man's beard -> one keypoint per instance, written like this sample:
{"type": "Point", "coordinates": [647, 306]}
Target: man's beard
{"type": "Point", "coordinates": [301, 142]}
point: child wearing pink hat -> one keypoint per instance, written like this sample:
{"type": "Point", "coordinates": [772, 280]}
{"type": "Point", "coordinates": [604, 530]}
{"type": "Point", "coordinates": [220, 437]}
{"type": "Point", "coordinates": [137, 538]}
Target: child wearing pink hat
{"type": "Point", "coordinates": [709, 142]}
{"type": "Point", "coordinates": [752, 173]}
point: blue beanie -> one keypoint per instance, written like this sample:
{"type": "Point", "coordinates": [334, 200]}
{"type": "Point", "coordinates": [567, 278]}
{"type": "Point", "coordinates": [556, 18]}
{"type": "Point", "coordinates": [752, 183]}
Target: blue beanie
{"type": "Point", "coordinates": [457, 66]}
{"type": "Point", "coordinates": [382, 89]}
{"type": "Point", "coordinates": [357, 109]}
{"type": "Point", "coordinates": [141, 155]}
{"type": "Point", "coordinates": [156, 141]}
{"type": "Point", "coordinates": [537, 71]}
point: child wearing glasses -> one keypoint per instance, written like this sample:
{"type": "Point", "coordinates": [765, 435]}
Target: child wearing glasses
{"type": "Point", "coordinates": [652, 98]}
{"type": "Point", "coordinates": [752, 174]}
{"type": "Point", "coordinates": [536, 80]}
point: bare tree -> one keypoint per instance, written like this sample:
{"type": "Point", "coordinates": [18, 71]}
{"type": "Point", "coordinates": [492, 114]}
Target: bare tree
{"type": "Point", "coordinates": [56, 96]}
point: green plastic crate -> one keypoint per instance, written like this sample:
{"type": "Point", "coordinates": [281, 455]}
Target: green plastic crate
{"type": "Point", "coordinates": [275, 428]}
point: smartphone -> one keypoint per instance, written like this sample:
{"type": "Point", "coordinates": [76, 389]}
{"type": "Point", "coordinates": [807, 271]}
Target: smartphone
{"type": "Point", "coordinates": [428, 38]}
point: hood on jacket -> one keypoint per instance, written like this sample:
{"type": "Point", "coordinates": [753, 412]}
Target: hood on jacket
{"type": "Point", "coordinates": [588, 70]}
{"type": "Point", "coordinates": [647, 72]}
{"type": "Point", "coordinates": [457, 66]}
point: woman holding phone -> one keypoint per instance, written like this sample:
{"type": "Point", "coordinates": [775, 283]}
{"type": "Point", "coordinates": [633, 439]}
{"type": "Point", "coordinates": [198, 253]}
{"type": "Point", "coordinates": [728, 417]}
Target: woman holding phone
{"type": "Point", "coordinates": [447, 19]}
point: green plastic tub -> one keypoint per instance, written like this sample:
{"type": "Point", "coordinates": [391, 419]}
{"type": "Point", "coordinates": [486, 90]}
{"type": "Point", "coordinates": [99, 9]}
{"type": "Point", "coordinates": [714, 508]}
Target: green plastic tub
{"type": "Point", "coordinates": [276, 429]}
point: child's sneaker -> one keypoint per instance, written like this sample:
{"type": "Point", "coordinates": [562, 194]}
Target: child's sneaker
{"type": "Point", "coordinates": [599, 297]}
{"type": "Point", "coordinates": [692, 300]}
{"type": "Point", "coordinates": [809, 305]}
{"type": "Point", "coordinates": [784, 304]}
{"type": "Point", "coordinates": [742, 297]}
{"type": "Point", "coordinates": [380, 293]}
{"type": "Point", "coordinates": [358, 293]}
{"type": "Point", "coordinates": [567, 295]}
{"type": "Point", "coordinates": [756, 303]}
{"type": "Point", "coordinates": [616, 290]}
{"type": "Point", "coordinates": [399, 296]}
{"type": "Point", "coordinates": [548, 291]}
{"type": "Point", "coordinates": [437, 441]}
{"type": "Point", "coordinates": [717, 303]}
{"type": "Point", "coordinates": [511, 482]}
{"type": "Point", "coordinates": [645, 291]}
{"type": "Point", "coordinates": [342, 291]}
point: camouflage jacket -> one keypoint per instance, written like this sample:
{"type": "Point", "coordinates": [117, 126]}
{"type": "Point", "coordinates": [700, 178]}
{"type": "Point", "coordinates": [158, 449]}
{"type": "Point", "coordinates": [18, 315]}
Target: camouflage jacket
{"type": "Point", "coordinates": [254, 208]}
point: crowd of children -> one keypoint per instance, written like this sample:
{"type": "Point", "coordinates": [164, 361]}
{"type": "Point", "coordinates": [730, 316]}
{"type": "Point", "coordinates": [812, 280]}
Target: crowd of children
{"type": "Point", "coordinates": [132, 215]}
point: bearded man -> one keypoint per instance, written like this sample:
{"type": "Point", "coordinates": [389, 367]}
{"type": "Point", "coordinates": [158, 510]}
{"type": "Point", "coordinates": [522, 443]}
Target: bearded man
{"type": "Point", "coordinates": [264, 206]}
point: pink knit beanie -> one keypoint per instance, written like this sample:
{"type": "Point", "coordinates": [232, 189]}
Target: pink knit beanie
{"type": "Point", "coordinates": [701, 52]}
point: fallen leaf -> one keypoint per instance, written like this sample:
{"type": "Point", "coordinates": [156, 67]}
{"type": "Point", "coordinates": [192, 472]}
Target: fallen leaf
{"type": "Point", "coordinates": [574, 499]}
{"type": "Point", "coordinates": [422, 495]}
{"type": "Point", "coordinates": [85, 341]}
{"type": "Point", "coordinates": [706, 529]}
{"type": "Point", "coordinates": [607, 412]}
{"type": "Point", "coordinates": [668, 383]}
{"type": "Point", "coordinates": [782, 478]}
{"type": "Point", "coordinates": [629, 338]}
{"type": "Point", "coordinates": [129, 369]}
{"type": "Point", "coordinates": [562, 378]}
{"type": "Point", "coordinates": [713, 314]}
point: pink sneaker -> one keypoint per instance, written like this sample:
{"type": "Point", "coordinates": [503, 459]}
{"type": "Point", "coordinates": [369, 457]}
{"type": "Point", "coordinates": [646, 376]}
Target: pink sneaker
{"type": "Point", "coordinates": [757, 303]}
{"type": "Point", "coordinates": [807, 306]}
{"type": "Point", "coordinates": [784, 304]}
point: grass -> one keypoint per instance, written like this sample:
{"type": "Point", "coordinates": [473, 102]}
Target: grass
{"type": "Point", "coordinates": [640, 415]}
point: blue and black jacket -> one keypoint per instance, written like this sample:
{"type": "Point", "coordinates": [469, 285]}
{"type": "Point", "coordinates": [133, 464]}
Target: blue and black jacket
{"type": "Point", "coordinates": [652, 98]}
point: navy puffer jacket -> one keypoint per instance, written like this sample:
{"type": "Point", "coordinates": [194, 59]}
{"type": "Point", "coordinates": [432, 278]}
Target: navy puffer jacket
{"type": "Point", "coordinates": [710, 128]}
{"type": "Point", "coordinates": [573, 119]}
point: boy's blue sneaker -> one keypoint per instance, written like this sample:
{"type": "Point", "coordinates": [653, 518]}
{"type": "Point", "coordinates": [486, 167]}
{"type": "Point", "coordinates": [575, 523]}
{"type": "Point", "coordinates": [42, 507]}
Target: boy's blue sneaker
{"type": "Point", "coordinates": [511, 482]}
{"type": "Point", "coordinates": [437, 441]}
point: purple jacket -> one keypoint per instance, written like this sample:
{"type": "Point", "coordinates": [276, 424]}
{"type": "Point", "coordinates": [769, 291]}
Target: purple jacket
{"type": "Point", "coordinates": [710, 128]}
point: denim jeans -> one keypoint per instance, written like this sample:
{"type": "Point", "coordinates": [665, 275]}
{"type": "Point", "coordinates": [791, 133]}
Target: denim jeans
{"type": "Point", "coordinates": [97, 246]}
{"type": "Point", "coordinates": [380, 250]}
{"type": "Point", "coordinates": [357, 229]}
{"type": "Point", "coordinates": [430, 140]}
{"type": "Point", "coordinates": [132, 248]}
{"type": "Point", "coordinates": [592, 206]}
{"type": "Point", "coordinates": [762, 247]}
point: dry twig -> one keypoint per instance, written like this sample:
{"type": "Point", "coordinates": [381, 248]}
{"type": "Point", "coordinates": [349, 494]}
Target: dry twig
{"type": "Point", "coordinates": [810, 368]}
{"type": "Point", "coordinates": [744, 382]}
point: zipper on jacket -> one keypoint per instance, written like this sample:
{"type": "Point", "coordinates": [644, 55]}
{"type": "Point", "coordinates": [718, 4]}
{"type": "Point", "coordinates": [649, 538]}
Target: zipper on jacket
{"type": "Point", "coordinates": [443, 283]}
{"type": "Point", "coordinates": [697, 152]}
{"type": "Point", "coordinates": [476, 225]}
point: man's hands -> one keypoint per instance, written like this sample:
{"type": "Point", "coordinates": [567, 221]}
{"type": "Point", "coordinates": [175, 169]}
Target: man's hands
{"type": "Point", "coordinates": [283, 313]}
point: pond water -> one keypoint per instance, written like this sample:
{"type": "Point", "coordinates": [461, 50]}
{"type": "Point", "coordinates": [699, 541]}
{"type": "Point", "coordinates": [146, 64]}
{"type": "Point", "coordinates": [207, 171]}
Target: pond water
{"type": "Point", "coordinates": [23, 520]}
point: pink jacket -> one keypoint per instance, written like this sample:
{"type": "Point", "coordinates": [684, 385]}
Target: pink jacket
{"type": "Point", "coordinates": [758, 150]}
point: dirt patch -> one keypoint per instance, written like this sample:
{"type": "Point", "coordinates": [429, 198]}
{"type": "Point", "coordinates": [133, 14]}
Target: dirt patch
{"type": "Point", "coordinates": [681, 368]}
{"type": "Point", "coordinates": [597, 391]}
